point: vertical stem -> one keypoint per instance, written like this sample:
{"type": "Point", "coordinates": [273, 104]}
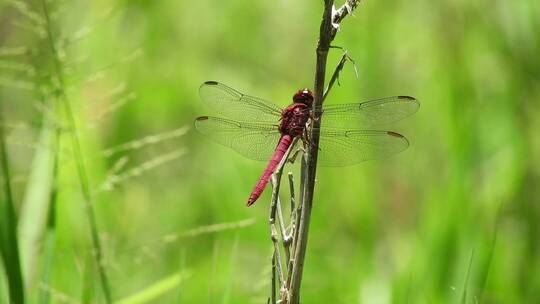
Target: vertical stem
{"type": "Point", "coordinates": [284, 236]}
{"type": "Point", "coordinates": [297, 219]}
{"type": "Point", "coordinates": [273, 286]}
{"type": "Point", "coordinates": [295, 248]}
{"type": "Point", "coordinates": [79, 159]}
{"type": "Point", "coordinates": [311, 163]}
{"type": "Point", "coordinates": [291, 189]}
{"type": "Point", "coordinates": [275, 208]}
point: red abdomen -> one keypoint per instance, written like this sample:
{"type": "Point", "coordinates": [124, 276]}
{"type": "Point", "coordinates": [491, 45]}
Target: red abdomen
{"type": "Point", "coordinates": [281, 149]}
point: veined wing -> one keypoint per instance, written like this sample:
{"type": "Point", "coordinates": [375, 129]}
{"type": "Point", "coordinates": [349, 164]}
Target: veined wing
{"type": "Point", "coordinates": [371, 113]}
{"type": "Point", "coordinates": [236, 105]}
{"type": "Point", "coordinates": [349, 147]}
{"type": "Point", "coordinates": [253, 140]}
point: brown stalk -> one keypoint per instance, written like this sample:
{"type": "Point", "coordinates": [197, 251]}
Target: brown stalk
{"type": "Point", "coordinates": [294, 238]}
{"type": "Point", "coordinates": [328, 29]}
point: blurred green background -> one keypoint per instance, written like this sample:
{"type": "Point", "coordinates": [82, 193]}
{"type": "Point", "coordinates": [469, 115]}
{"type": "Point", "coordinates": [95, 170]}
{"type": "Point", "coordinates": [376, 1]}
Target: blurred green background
{"type": "Point", "coordinates": [453, 219]}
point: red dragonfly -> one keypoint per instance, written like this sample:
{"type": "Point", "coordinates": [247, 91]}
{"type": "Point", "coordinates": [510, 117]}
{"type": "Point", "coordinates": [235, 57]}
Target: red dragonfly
{"type": "Point", "coordinates": [261, 130]}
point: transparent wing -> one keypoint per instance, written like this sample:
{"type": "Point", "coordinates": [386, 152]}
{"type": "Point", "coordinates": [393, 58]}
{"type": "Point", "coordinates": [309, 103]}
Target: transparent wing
{"type": "Point", "coordinates": [371, 113]}
{"type": "Point", "coordinates": [253, 140]}
{"type": "Point", "coordinates": [349, 147]}
{"type": "Point", "coordinates": [233, 104]}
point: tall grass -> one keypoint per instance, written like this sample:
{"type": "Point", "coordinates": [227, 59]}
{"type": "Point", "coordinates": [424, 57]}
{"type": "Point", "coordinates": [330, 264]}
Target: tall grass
{"type": "Point", "coordinates": [77, 150]}
{"type": "Point", "coordinates": [9, 244]}
{"type": "Point", "coordinates": [37, 209]}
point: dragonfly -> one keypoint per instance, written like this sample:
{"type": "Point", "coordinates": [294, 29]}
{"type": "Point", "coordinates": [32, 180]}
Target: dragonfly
{"type": "Point", "coordinates": [261, 130]}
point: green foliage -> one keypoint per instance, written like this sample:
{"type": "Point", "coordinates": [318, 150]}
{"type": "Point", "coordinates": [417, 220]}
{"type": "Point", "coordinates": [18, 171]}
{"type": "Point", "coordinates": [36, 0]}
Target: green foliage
{"type": "Point", "coordinates": [394, 231]}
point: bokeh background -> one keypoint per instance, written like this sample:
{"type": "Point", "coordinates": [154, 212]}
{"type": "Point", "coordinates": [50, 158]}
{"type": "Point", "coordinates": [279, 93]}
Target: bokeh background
{"type": "Point", "coordinates": [453, 219]}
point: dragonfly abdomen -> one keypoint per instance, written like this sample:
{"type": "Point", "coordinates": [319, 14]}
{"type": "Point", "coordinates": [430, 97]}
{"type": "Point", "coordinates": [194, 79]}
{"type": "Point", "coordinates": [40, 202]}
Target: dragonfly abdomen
{"type": "Point", "coordinates": [281, 148]}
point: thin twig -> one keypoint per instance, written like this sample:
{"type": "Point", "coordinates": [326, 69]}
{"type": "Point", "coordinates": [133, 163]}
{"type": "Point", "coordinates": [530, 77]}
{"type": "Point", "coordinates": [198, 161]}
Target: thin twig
{"type": "Point", "coordinates": [291, 188]}
{"type": "Point", "coordinates": [273, 230]}
{"type": "Point", "coordinates": [341, 13]}
{"type": "Point", "coordinates": [275, 208]}
{"type": "Point", "coordinates": [335, 76]}
{"type": "Point", "coordinates": [273, 285]}
{"type": "Point", "coordinates": [292, 217]}
{"type": "Point", "coordinates": [297, 219]}
{"type": "Point", "coordinates": [281, 223]}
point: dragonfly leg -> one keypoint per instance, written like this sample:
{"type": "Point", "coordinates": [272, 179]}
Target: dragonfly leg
{"type": "Point", "coordinates": [338, 47]}
{"type": "Point", "coordinates": [292, 158]}
{"type": "Point", "coordinates": [307, 142]}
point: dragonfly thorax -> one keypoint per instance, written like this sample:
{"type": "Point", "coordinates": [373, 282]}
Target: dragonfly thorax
{"type": "Point", "coordinates": [294, 119]}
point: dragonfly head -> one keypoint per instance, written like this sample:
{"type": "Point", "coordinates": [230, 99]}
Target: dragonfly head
{"type": "Point", "coordinates": [304, 96]}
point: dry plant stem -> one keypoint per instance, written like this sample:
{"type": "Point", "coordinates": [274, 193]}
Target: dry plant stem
{"type": "Point", "coordinates": [291, 189]}
{"type": "Point", "coordinates": [292, 229]}
{"type": "Point", "coordinates": [273, 286]}
{"type": "Point", "coordinates": [335, 76]}
{"type": "Point", "coordinates": [292, 226]}
{"type": "Point", "coordinates": [303, 169]}
{"type": "Point", "coordinates": [342, 12]}
{"type": "Point", "coordinates": [292, 217]}
{"type": "Point", "coordinates": [311, 163]}
{"type": "Point", "coordinates": [296, 219]}
{"type": "Point", "coordinates": [83, 177]}
{"type": "Point", "coordinates": [276, 208]}
{"type": "Point", "coordinates": [284, 236]}
{"type": "Point", "coordinates": [327, 32]}
{"type": "Point", "coordinates": [273, 230]}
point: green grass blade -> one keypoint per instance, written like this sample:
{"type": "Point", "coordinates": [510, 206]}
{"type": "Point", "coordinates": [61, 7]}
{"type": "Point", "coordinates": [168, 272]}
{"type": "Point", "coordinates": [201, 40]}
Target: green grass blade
{"type": "Point", "coordinates": [466, 283]}
{"type": "Point", "coordinates": [3, 285]}
{"type": "Point", "coordinates": [157, 289]}
{"type": "Point", "coordinates": [49, 249]}
{"type": "Point", "coordinates": [486, 265]}
{"type": "Point", "coordinates": [9, 246]}
{"type": "Point", "coordinates": [36, 203]}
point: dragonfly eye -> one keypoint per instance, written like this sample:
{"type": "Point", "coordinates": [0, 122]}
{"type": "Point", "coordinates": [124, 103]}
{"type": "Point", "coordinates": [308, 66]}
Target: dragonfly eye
{"type": "Point", "coordinates": [303, 96]}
